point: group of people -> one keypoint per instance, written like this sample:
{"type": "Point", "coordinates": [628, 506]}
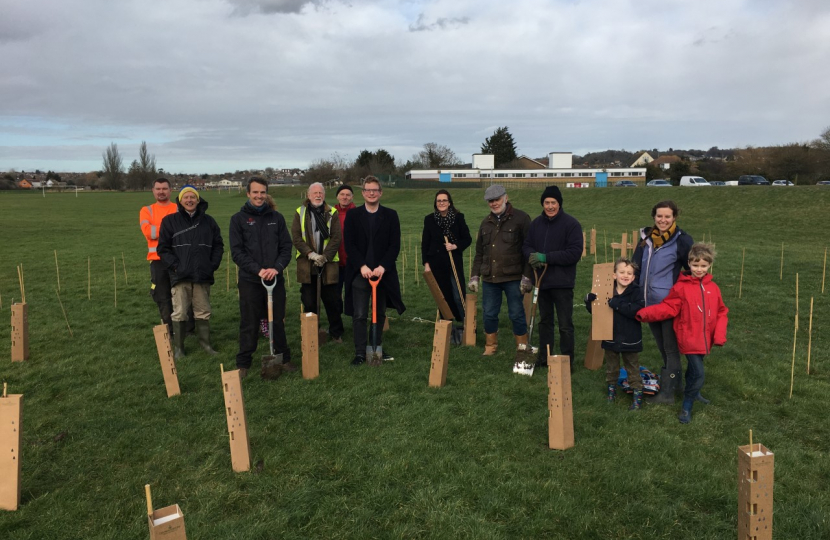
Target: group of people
{"type": "Point", "coordinates": [342, 246]}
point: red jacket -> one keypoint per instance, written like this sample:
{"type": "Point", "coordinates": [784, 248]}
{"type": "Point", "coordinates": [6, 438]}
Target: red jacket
{"type": "Point", "coordinates": [698, 311]}
{"type": "Point", "coordinates": [342, 213]}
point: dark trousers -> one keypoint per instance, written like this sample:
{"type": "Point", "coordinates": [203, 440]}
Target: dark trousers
{"type": "Point", "coordinates": [694, 379]}
{"type": "Point", "coordinates": [663, 332]}
{"type": "Point", "coordinates": [362, 306]}
{"type": "Point", "coordinates": [632, 366]}
{"type": "Point", "coordinates": [330, 295]}
{"type": "Point", "coordinates": [253, 307]}
{"type": "Point", "coordinates": [563, 301]}
{"type": "Point", "coordinates": [160, 291]}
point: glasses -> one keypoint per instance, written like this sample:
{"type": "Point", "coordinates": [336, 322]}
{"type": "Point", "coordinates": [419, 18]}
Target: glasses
{"type": "Point", "coordinates": [371, 191]}
{"type": "Point", "coordinates": [442, 201]}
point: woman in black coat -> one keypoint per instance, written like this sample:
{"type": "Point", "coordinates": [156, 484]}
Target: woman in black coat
{"type": "Point", "coordinates": [436, 251]}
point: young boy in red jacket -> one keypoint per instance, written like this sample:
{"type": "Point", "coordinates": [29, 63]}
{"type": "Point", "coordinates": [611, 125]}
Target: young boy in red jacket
{"type": "Point", "coordinates": [700, 320]}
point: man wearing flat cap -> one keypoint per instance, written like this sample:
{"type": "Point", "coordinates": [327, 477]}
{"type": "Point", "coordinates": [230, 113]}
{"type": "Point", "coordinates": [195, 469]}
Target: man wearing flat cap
{"type": "Point", "coordinates": [190, 246]}
{"type": "Point", "coordinates": [500, 267]}
{"type": "Point", "coordinates": [555, 240]}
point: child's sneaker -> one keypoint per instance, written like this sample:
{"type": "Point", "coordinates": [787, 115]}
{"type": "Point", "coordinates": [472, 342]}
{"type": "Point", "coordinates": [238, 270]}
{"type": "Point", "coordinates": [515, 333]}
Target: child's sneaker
{"type": "Point", "coordinates": [612, 393]}
{"type": "Point", "coordinates": [637, 403]}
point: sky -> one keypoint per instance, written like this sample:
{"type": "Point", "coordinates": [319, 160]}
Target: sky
{"type": "Point", "coordinates": [226, 85]}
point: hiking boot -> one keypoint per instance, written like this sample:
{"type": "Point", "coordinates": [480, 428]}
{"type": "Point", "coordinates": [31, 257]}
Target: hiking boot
{"type": "Point", "coordinates": [669, 383]}
{"type": "Point", "coordinates": [203, 331]}
{"type": "Point", "coordinates": [612, 393]}
{"type": "Point", "coordinates": [179, 330]}
{"type": "Point", "coordinates": [358, 359]}
{"type": "Point", "coordinates": [637, 402]}
{"type": "Point", "coordinates": [492, 344]}
{"type": "Point", "coordinates": [288, 366]}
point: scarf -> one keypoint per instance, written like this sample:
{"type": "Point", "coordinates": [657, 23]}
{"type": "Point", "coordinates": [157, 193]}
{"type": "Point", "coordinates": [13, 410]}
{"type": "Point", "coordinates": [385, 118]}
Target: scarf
{"type": "Point", "coordinates": [319, 214]}
{"type": "Point", "coordinates": [658, 238]}
{"type": "Point", "coordinates": [446, 222]}
{"type": "Point", "coordinates": [257, 209]}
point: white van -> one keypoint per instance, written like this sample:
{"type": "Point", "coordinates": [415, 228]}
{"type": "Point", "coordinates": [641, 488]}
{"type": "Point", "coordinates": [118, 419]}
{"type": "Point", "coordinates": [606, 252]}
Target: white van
{"type": "Point", "coordinates": [693, 181]}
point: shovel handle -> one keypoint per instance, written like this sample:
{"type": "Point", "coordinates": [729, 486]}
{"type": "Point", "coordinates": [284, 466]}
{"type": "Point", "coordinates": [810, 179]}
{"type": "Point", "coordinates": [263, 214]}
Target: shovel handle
{"type": "Point", "coordinates": [373, 281]}
{"type": "Point", "coordinates": [270, 289]}
{"type": "Point", "coordinates": [149, 500]}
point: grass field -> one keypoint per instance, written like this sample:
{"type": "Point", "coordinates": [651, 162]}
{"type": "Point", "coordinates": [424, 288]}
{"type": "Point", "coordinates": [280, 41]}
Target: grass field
{"type": "Point", "coordinates": [376, 453]}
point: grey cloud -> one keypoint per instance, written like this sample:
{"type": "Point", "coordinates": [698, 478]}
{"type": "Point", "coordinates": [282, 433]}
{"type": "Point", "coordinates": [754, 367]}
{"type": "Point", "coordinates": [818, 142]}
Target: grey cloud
{"type": "Point", "coordinates": [442, 23]}
{"type": "Point", "coordinates": [245, 7]}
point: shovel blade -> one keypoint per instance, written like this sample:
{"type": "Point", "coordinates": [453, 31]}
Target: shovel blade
{"type": "Point", "coordinates": [523, 368]}
{"type": "Point", "coordinates": [271, 367]}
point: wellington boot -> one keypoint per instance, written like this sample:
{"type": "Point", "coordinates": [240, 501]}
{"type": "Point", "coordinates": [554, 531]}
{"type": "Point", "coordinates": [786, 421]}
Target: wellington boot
{"type": "Point", "coordinates": [521, 343]}
{"type": "Point", "coordinates": [492, 344]}
{"type": "Point", "coordinates": [669, 382]}
{"type": "Point", "coordinates": [179, 330]}
{"type": "Point", "coordinates": [637, 402]}
{"type": "Point", "coordinates": [203, 331]}
{"type": "Point", "coordinates": [612, 393]}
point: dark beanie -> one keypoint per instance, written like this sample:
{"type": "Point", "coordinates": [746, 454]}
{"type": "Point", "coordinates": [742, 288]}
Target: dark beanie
{"type": "Point", "coordinates": [551, 192]}
{"type": "Point", "coordinates": [342, 187]}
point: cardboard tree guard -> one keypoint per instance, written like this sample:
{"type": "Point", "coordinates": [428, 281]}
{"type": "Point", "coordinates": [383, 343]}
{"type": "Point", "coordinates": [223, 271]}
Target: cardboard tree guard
{"type": "Point", "coordinates": [470, 319]}
{"type": "Point", "coordinates": [440, 354]}
{"type": "Point", "coordinates": [560, 403]}
{"type": "Point", "coordinates": [584, 245]}
{"type": "Point", "coordinates": [311, 351]}
{"type": "Point", "coordinates": [602, 322]}
{"type": "Point", "coordinates": [167, 360]}
{"type": "Point", "coordinates": [593, 241]}
{"type": "Point", "coordinates": [443, 307]}
{"type": "Point", "coordinates": [11, 416]}
{"type": "Point", "coordinates": [20, 332]}
{"type": "Point", "coordinates": [167, 524]}
{"type": "Point", "coordinates": [756, 468]}
{"type": "Point", "coordinates": [237, 423]}
{"type": "Point", "coordinates": [593, 354]}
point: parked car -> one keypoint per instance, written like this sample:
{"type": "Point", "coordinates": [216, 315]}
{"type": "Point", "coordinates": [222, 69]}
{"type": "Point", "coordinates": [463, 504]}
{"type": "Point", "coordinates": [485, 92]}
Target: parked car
{"type": "Point", "coordinates": [659, 183]}
{"type": "Point", "coordinates": [752, 180]}
{"type": "Point", "coordinates": [823, 183]}
{"type": "Point", "coordinates": [717, 183]}
{"type": "Point", "coordinates": [693, 181]}
{"type": "Point", "coordinates": [782, 183]}
{"type": "Point", "coordinates": [624, 183]}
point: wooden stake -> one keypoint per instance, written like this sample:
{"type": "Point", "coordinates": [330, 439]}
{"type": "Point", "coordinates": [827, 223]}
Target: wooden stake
{"type": "Point", "coordinates": [124, 263]}
{"type": "Point", "coordinates": [741, 284]}
{"type": "Point", "coordinates": [605, 244]}
{"type": "Point", "coordinates": [88, 278]}
{"type": "Point", "coordinates": [750, 445]}
{"type": "Point", "coordinates": [58, 270]}
{"type": "Point", "coordinates": [403, 274]}
{"type": "Point", "coordinates": [114, 283]}
{"type": "Point", "coordinates": [781, 273]}
{"type": "Point", "coordinates": [824, 271]}
{"type": "Point", "coordinates": [228, 272]}
{"type": "Point", "coordinates": [64, 314]}
{"type": "Point", "coordinates": [5, 388]}
{"type": "Point", "coordinates": [149, 500]}
{"type": "Point", "coordinates": [795, 337]}
{"type": "Point", "coordinates": [810, 336]}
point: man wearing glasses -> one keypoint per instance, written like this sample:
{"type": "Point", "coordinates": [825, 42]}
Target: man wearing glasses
{"type": "Point", "coordinates": [501, 266]}
{"type": "Point", "coordinates": [372, 236]}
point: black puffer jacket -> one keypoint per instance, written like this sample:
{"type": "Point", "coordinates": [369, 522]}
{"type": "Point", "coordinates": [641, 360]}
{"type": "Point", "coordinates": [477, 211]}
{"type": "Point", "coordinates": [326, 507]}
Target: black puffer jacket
{"type": "Point", "coordinates": [628, 334]}
{"type": "Point", "coordinates": [191, 247]}
{"type": "Point", "coordinates": [259, 240]}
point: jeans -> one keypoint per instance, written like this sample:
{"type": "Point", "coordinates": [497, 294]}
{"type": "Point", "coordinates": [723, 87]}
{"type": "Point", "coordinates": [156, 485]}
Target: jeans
{"type": "Point", "coordinates": [361, 302]}
{"type": "Point", "coordinates": [491, 305]}
{"type": "Point", "coordinates": [663, 333]}
{"type": "Point", "coordinates": [331, 300]}
{"type": "Point", "coordinates": [694, 379]}
{"type": "Point", "coordinates": [253, 307]}
{"type": "Point", "coordinates": [563, 301]}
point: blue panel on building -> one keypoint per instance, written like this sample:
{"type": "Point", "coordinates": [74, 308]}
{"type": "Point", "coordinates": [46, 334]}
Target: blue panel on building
{"type": "Point", "coordinates": [602, 179]}
{"type": "Point", "coordinates": [445, 177]}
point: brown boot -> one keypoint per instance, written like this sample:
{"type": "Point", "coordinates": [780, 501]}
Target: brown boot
{"type": "Point", "coordinates": [492, 344]}
{"type": "Point", "coordinates": [521, 343]}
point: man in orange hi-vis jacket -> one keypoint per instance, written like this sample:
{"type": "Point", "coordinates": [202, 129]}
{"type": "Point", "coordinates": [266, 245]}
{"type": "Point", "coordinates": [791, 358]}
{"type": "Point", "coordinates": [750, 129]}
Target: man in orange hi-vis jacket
{"type": "Point", "coordinates": [150, 220]}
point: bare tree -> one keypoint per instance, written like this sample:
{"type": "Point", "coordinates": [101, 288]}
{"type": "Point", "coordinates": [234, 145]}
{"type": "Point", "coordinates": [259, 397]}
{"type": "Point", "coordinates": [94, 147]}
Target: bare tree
{"type": "Point", "coordinates": [146, 167]}
{"type": "Point", "coordinates": [823, 142]}
{"type": "Point", "coordinates": [435, 155]}
{"type": "Point", "coordinates": [113, 177]}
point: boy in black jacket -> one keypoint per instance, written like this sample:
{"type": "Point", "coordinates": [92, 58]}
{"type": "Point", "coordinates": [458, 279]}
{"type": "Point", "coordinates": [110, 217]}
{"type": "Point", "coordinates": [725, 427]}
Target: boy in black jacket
{"type": "Point", "coordinates": [628, 336]}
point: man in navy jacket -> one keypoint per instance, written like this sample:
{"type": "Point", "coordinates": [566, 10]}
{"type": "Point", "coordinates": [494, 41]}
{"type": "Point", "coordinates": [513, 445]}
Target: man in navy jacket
{"type": "Point", "coordinates": [555, 240]}
{"type": "Point", "coordinates": [261, 247]}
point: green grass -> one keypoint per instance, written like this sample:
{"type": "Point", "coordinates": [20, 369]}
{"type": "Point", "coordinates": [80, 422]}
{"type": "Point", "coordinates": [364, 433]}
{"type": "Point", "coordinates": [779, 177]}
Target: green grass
{"type": "Point", "coordinates": [376, 453]}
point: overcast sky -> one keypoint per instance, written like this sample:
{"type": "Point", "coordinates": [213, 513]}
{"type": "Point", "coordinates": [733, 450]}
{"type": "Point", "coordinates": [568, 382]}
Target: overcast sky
{"type": "Point", "coordinates": [221, 85]}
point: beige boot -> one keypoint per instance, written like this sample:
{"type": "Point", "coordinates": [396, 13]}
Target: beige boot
{"type": "Point", "coordinates": [521, 343]}
{"type": "Point", "coordinates": [492, 344]}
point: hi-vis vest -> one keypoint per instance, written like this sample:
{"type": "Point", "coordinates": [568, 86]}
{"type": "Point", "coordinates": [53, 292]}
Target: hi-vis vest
{"type": "Point", "coordinates": [150, 221]}
{"type": "Point", "coordinates": [302, 211]}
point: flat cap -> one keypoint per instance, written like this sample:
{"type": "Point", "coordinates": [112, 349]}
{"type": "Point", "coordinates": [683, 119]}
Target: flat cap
{"type": "Point", "coordinates": [495, 191]}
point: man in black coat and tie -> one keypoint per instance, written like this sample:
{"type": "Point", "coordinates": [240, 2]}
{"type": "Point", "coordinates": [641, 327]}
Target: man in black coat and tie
{"type": "Point", "coordinates": [373, 240]}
